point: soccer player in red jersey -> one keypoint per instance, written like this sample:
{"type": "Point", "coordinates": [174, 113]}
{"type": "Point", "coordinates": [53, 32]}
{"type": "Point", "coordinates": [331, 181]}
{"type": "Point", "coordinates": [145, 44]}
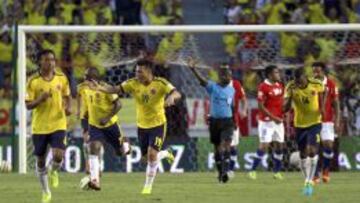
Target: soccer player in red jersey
{"type": "Point", "coordinates": [330, 120]}
{"type": "Point", "coordinates": [271, 127]}
{"type": "Point", "coordinates": [239, 111]}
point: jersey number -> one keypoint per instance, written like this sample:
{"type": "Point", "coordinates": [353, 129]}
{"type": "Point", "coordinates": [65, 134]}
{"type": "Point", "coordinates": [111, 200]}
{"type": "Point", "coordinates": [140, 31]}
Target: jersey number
{"type": "Point", "coordinates": [145, 98]}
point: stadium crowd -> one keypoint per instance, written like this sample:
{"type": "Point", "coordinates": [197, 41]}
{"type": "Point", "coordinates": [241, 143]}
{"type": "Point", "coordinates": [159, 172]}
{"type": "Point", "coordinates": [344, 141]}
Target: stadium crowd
{"type": "Point", "coordinates": [245, 50]}
{"type": "Point", "coordinates": [72, 57]}
{"type": "Point", "coordinates": [289, 49]}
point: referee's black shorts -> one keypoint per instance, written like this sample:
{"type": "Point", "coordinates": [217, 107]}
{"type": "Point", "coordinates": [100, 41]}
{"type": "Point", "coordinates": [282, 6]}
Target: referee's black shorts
{"type": "Point", "coordinates": [221, 129]}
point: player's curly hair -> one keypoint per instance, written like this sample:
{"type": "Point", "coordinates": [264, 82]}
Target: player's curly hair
{"type": "Point", "coordinates": [320, 64]}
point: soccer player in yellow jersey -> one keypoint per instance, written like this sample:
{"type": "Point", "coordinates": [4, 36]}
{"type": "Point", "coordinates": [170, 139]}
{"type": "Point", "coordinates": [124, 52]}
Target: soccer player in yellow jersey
{"type": "Point", "coordinates": [103, 126]}
{"type": "Point", "coordinates": [82, 114]}
{"type": "Point", "coordinates": [303, 95]}
{"type": "Point", "coordinates": [47, 95]}
{"type": "Point", "coordinates": [152, 94]}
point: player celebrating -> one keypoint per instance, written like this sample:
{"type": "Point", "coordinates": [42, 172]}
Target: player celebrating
{"type": "Point", "coordinates": [332, 106]}
{"type": "Point", "coordinates": [303, 94]}
{"type": "Point", "coordinates": [103, 126]}
{"type": "Point", "coordinates": [47, 95]}
{"type": "Point", "coordinates": [151, 95]}
{"type": "Point", "coordinates": [240, 111]}
{"type": "Point", "coordinates": [221, 124]}
{"type": "Point", "coordinates": [271, 127]}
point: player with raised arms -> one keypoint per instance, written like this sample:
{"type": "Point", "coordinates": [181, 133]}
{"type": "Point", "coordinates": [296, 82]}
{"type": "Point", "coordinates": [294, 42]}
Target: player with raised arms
{"type": "Point", "coordinates": [152, 94]}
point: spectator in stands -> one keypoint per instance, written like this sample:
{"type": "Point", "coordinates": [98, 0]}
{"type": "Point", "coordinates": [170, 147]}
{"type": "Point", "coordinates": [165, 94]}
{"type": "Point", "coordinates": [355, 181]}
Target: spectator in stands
{"type": "Point", "coordinates": [316, 12]}
{"type": "Point", "coordinates": [349, 13]}
{"type": "Point", "coordinates": [334, 16]}
{"type": "Point", "coordinates": [168, 47]}
{"type": "Point", "coordinates": [67, 9]}
{"type": "Point", "coordinates": [299, 16]}
{"type": "Point", "coordinates": [89, 11]}
{"type": "Point", "coordinates": [250, 15]}
{"type": "Point", "coordinates": [105, 12]}
{"type": "Point", "coordinates": [102, 20]}
{"type": "Point", "coordinates": [80, 61]}
{"type": "Point", "coordinates": [57, 18]}
{"type": "Point", "coordinates": [36, 15]}
{"type": "Point", "coordinates": [312, 55]}
{"type": "Point", "coordinates": [77, 17]}
{"type": "Point", "coordinates": [158, 17]}
{"type": "Point", "coordinates": [273, 12]}
{"type": "Point", "coordinates": [352, 47]}
{"type": "Point", "coordinates": [328, 45]}
{"type": "Point", "coordinates": [230, 40]}
{"type": "Point", "coordinates": [6, 50]}
{"type": "Point", "coordinates": [128, 12]}
{"type": "Point", "coordinates": [54, 42]}
{"type": "Point", "coordinates": [289, 43]}
{"type": "Point", "coordinates": [331, 4]}
{"type": "Point", "coordinates": [250, 81]}
{"type": "Point", "coordinates": [232, 12]}
{"type": "Point", "coordinates": [175, 8]}
{"type": "Point", "coordinates": [247, 46]}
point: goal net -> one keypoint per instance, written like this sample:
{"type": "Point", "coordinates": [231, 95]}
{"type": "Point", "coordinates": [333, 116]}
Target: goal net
{"type": "Point", "coordinates": [114, 51]}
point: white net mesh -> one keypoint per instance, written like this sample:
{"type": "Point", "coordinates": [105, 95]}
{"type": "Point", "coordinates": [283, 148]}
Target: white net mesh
{"type": "Point", "coordinates": [115, 54]}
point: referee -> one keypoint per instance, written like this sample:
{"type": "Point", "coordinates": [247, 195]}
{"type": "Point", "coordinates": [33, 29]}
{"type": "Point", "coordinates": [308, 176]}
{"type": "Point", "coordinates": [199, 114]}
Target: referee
{"type": "Point", "coordinates": [221, 124]}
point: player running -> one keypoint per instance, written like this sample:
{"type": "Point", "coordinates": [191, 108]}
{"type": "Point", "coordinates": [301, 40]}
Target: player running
{"type": "Point", "coordinates": [152, 94]}
{"type": "Point", "coordinates": [330, 123]}
{"type": "Point", "coordinates": [103, 126]}
{"type": "Point", "coordinates": [271, 126]}
{"type": "Point", "coordinates": [221, 124]}
{"type": "Point", "coordinates": [48, 96]}
{"type": "Point", "coordinates": [303, 95]}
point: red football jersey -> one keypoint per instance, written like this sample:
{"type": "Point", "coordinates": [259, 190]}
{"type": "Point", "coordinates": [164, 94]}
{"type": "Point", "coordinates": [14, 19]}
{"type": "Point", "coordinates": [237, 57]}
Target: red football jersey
{"type": "Point", "coordinates": [239, 95]}
{"type": "Point", "coordinates": [332, 94]}
{"type": "Point", "coordinates": [271, 95]}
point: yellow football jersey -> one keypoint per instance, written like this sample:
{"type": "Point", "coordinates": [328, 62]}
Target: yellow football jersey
{"type": "Point", "coordinates": [81, 88]}
{"type": "Point", "coordinates": [149, 100]}
{"type": "Point", "coordinates": [305, 103]}
{"type": "Point", "coordinates": [100, 105]}
{"type": "Point", "coordinates": [49, 116]}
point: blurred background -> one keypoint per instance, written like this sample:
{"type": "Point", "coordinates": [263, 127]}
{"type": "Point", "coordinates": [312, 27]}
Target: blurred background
{"type": "Point", "coordinates": [114, 54]}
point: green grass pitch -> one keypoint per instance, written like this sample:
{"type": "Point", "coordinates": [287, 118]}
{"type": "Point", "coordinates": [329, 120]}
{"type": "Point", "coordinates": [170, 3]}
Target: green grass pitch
{"type": "Point", "coordinates": [188, 187]}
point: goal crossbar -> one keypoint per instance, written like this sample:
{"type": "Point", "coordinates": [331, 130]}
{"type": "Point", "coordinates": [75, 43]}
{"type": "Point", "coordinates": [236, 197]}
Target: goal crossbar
{"type": "Point", "coordinates": [191, 28]}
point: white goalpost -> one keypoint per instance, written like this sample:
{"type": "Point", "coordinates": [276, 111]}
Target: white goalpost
{"type": "Point", "coordinates": [22, 53]}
